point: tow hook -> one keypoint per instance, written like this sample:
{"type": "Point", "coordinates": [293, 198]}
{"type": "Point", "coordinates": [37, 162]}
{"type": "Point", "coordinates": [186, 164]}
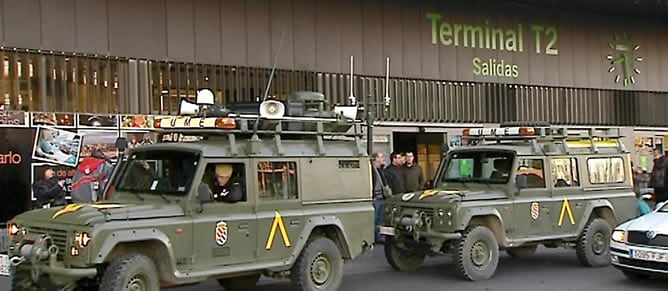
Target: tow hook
{"type": "Point", "coordinates": [16, 260]}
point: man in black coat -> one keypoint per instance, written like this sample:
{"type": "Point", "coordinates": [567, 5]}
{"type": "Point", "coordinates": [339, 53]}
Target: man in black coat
{"type": "Point", "coordinates": [395, 175]}
{"type": "Point", "coordinates": [49, 190]}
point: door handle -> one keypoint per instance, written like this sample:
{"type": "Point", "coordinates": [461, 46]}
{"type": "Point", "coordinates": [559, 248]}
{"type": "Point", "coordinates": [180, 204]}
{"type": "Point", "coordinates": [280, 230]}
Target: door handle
{"type": "Point", "coordinates": [243, 226]}
{"type": "Point", "coordinates": [294, 222]}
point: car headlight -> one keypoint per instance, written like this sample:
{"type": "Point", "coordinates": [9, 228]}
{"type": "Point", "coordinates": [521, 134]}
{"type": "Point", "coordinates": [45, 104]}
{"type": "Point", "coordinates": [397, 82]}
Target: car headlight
{"type": "Point", "coordinates": [13, 229]}
{"type": "Point", "coordinates": [82, 239]}
{"type": "Point", "coordinates": [618, 236]}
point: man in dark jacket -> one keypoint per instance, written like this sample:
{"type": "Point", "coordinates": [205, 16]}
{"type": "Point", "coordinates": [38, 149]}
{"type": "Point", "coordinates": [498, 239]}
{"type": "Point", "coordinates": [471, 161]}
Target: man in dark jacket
{"type": "Point", "coordinates": [413, 173]}
{"type": "Point", "coordinates": [659, 178]}
{"type": "Point", "coordinates": [379, 182]}
{"type": "Point", "coordinates": [49, 190]}
{"type": "Point", "coordinates": [395, 174]}
{"type": "Point", "coordinates": [227, 188]}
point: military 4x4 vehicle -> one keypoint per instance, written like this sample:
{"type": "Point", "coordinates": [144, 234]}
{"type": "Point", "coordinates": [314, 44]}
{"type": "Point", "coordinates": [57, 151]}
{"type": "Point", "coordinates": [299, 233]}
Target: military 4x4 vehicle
{"type": "Point", "coordinates": [272, 195]}
{"type": "Point", "coordinates": [513, 189]}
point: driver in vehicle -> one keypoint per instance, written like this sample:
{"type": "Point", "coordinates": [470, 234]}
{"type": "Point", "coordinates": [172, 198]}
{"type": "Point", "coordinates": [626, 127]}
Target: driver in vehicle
{"type": "Point", "coordinates": [227, 188]}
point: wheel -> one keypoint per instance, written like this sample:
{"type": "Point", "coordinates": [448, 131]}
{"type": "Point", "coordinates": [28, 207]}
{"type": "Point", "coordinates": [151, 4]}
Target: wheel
{"type": "Point", "coordinates": [477, 254]}
{"type": "Point", "coordinates": [130, 272]}
{"type": "Point", "coordinates": [522, 252]}
{"type": "Point", "coordinates": [634, 276]}
{"type": "Point", "coordinates": [399, 259]}
{"type": "Point", "coordinates": [593, 245]}
{"type": "Point", "coordinates": [21, 280]}
{"type": "Point", "coordinates": [239, 283]}
{"type": "Point", "coordinates": [318, 267]}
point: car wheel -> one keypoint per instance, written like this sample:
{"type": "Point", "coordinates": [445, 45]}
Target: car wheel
{"type": "Point", "coordinates": [477, 254]}
{"type": "Point", "coordinates": [400, 259]}
{"type": "Point", "coordinates": [522, 252]}
{"type": "Point", "coordinates": [130, 272]}
{"type": "Point", "coordinates": [318, 267]}
{"type": "Point", "coordinates": [239, 283]}
{"type": "Point", "coordinates": [593, 245]}
{"type": "Point", "coordinates": [634, 275]}
{"type": "Point", "coordinates": [21, 280]}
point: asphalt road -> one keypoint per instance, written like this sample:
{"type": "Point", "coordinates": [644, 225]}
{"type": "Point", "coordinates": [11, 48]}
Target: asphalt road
{"type": "Point", "coordinates": [549, 269]}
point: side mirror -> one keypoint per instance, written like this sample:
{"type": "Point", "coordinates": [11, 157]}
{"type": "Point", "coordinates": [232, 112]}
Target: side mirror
{"type": "Point", "coordinates": [521, 182]}
{"type": "Point", "coordinates": [659, 205]}
{"type": "Point", "coordinates": [236, 193]}
{"type": "Point", "coordinates": [429, 185]}
{"type": "Point", "coordinates": [121, 144]}
{"type": "Point", "coordinates": [204, 194]}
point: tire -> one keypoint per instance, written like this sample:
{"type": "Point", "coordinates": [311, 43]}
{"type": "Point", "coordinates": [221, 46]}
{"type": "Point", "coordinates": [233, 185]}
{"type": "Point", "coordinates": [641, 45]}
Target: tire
{"type": "Point", "coordinates": [399, 259]}
{"type": "Point", "coordinates": [130, 270]}
{"type": "Point", "coordinates": [247, 282]}
{"type": "Point", "coordinates": [318, 267]}
{"type": "Point", "coordinates": [477, 254]}
{"type": "Point", "coordinates": [634, 276]}
{"type": "Point", "coordinates": [21, 280]}
{"type": "Point", "coordinates": [522, 252]}
{"type": "Point", "coordinates": [593, 245]}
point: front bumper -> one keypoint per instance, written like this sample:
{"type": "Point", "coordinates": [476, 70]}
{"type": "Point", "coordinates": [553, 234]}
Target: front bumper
{"type": "Point", "coordinates": [622, 257]}
{"type": "Point", "coordinates": [42, 260]}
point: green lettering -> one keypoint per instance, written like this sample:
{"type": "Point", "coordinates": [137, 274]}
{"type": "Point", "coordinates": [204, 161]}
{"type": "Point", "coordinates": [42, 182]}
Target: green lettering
{"type": "Point", "coordinates": [487, 34]}
{"type": "Point", "coordinates": [521, 37]}
{"type": "Point", "coordinates": [476, 66]}
{"type": "Point", "coordinates": [497, 32]}
{"type": "Point", "coordinates": [550, 49]}
{"type": "Point", "coordinates": [458, 29]}
{"type": "Point", "coordinates": [538, 30]}
{"type": "Point", "coordinates": [511, 40]}
{"type": "Point", "coordinates": [434, 17]}
{"type": "Point", "coordinates": [472, 32]}
{"type": "Point", "coordinates": [446, 33]}
{"type": "Point", "coordinates": [516, 71]}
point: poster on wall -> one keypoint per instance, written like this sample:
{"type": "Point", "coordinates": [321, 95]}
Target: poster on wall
{"type": "Point", "coordinates": [60, 120]}
{"type": "Point", "coordinates": [13, 118]}
{"type": "Point", "coordinates": [62, 173]}
{"type": "Point", "coordinates": [15, 151]}
{"type": "Point", "coordinates": [98, 121]}
{"type": "Point", "coordinates": [138, 138]}
{"type": "Point", "coordinates": [136, 121]}
{"type": "Point", "coordinates": [57, 146]}
{"type": "Point", "coordinates": [104, 140]}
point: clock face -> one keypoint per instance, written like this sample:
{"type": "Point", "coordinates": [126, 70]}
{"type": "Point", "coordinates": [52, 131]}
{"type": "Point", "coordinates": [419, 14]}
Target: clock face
{"type": "Point", "coordinates": [623, 57]}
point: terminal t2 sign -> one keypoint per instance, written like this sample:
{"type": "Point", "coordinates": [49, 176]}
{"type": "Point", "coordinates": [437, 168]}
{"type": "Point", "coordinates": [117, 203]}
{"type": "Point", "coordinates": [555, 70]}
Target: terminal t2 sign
{"type": "Point", "coordinates": [487, 36]}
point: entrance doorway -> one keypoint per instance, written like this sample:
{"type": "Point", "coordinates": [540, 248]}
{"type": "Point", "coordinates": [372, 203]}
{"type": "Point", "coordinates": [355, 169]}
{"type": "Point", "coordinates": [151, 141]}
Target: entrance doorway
{"type": "Point", "coordinates": [425, 146]}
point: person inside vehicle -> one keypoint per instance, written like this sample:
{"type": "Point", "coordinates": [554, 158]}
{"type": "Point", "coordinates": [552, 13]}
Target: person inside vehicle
{"type": "Point", "coordinates": [501, 168]}
{"type": "Point", "coordinates": [227, 187]}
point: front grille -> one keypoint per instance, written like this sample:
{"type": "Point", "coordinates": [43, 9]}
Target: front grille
{"type": "Point", "coordinates": [59, 237]}
{"type": "Point", "coordinates": [644, 264]}
{"type": "Point", "coordinates": [640, 238]}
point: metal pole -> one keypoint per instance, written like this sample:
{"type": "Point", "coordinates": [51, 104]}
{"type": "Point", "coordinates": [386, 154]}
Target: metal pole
{"type": "Point", "coordinates": [370, 116]}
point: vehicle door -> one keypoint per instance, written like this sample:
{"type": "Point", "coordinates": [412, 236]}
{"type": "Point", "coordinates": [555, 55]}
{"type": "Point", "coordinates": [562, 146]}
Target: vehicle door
{"type": "Point", "coordinates": [225, 231]}
{"type": "Point", "coordinates": [567, 194]}
{"type": "Point", "coordinates": [278, 207]}
{"type": "Point", "coordinates": [532, 203]}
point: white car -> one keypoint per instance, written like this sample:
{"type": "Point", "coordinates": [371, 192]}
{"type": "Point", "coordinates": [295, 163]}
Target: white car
{"type": "Point", "coordinates": [639, 247]}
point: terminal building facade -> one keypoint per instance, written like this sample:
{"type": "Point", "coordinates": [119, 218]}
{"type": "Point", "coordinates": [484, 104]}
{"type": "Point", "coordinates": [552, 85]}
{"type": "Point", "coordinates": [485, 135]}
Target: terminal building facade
{"type": "Point", "coordinates": [453, 64]}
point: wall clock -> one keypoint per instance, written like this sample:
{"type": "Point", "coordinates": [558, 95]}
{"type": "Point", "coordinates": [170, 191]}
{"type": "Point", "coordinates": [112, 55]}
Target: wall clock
{"type": "Point", "coordinates": [624, 58]}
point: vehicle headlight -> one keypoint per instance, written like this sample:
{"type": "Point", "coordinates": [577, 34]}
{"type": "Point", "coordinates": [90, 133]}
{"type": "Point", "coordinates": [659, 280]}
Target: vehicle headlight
{"type": "Point", "coordinates": [82, 239]}
{"type": "Point", "coordinates": [618, 236]}
{"type": "Point", "coordinates": [13, 229]}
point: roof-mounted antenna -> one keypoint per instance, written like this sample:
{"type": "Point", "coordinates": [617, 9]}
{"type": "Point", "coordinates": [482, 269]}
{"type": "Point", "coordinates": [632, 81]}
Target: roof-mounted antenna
{"type": "Point", "coordinates": [386, 98]}
{"type": "Point", "coordinates": [271, 77]}
{"type": "Point", "coordinates": [352, 98]}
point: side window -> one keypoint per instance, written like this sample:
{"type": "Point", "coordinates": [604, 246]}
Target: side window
{"type": "Point", "coordinates": [606, 170]}
{"type": "Point", "coordinates": [226, 181]}
{"type": "Point", "coordinates": [565, 172]}
{"type": "Point", "coordinates": [277, 180]}
{"type": "Point", "coordinates": [531, 172]}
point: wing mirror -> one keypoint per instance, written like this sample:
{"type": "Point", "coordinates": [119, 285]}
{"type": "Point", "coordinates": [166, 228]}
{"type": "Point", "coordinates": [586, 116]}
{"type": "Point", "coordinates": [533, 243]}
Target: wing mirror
{"type": "Point", "coordinates": [204, 194]}
{"type": "Point", "coordinates": [521, 182]}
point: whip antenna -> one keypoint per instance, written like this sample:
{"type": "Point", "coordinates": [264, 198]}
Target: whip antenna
{"type": "Point", "coordinates": [273, 68]}
{"type": "Point", "coordinates": [352, 97]}
{"type": "Point", "coordinates": [386, 98]}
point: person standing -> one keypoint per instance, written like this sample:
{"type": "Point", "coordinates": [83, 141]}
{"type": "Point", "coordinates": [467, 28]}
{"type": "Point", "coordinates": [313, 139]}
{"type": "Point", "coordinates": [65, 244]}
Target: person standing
{"type": "Point", "coordinates": [413, 172]}
{"type": "Point", "coordinates": [90, 177]}
{"type": "Point", "coordinates": [394, 173]}
{"type": "Point", "coordinates": [658, 176]}
{"type": "Point", "coordinates": [379, 182]}
{"type": "Point", "coordinates": [49, 190]}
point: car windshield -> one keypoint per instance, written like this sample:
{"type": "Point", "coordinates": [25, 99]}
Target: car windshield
{"type": "Point", "coordinates": [489, 167]}
{"type": "Point", "coordinates": [158, 172]}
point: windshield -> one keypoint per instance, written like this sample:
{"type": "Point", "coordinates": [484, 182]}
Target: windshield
{"type": "Point", "coordinates": [478, 166]}
{"type": "Point", "coordinates": [160, 172]}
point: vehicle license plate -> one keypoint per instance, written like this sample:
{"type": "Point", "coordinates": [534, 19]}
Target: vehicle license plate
{"type": "Point", "coordinates": [386, 230]}
{"type": "Point", "coordinates": [4, 265]}
{"type": "Point", "coordinates": [649, 255]}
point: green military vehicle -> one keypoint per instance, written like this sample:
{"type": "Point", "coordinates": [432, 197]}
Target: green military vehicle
{"type": "Point", "coordinates": [514, 188]}
{"type": "Point", "coordinates": [279, 196]}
